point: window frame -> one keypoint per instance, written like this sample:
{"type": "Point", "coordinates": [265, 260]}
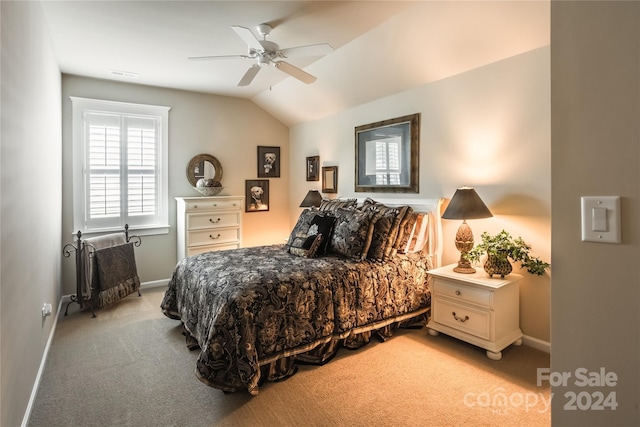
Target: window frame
{"type": "Point", "coordinates": [80, 107]}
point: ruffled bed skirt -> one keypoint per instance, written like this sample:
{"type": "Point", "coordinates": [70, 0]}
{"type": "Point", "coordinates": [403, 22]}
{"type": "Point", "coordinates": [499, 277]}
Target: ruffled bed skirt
{"type": "Point", "coordinates": [286, 366]}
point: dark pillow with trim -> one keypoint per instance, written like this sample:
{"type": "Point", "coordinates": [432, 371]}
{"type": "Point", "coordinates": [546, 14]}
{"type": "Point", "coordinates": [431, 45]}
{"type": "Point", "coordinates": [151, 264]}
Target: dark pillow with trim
{"type": "Point", "coordinates": [322, 225]}
{"type": "Point", "coordinates": [306, 246]}
{"type": "Point", "coordinates": [310, 223]}
{"type": "Point", "coordinates": [352, 233]}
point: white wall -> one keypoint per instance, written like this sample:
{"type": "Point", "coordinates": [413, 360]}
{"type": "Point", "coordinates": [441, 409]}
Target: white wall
{"type": "Point", "coordinates": [30, 200]}
{"type": "Point", "coordinates": [595, 65]}
{"type": "Point", "coordinates": [488, 128]}
{"type": "Point", "coordinates": [228, 128]}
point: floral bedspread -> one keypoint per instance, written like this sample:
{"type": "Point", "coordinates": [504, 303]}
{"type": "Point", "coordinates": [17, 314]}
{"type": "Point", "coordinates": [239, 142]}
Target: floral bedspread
{"type": "Point", "coordinates": [249, 307]}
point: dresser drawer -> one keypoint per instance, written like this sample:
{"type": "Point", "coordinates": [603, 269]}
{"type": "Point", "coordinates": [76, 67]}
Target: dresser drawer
{"type": "Point", "coordinates": [463, 293]}
{"type": "Point", "coordinates": [212, 236]}
{"type": "Point", "coordinates": [195, 250]}
{"type": "Point", "coordinates": [204, 205]}
{"type": "Point", "coordinates": [212, 219]}
{"type": "Point", "coordinates": [463, 318]}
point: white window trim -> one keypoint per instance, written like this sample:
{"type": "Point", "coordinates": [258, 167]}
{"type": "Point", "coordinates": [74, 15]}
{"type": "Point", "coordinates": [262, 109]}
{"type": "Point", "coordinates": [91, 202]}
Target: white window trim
{"type": "Point", "coordinates": [80, 106]}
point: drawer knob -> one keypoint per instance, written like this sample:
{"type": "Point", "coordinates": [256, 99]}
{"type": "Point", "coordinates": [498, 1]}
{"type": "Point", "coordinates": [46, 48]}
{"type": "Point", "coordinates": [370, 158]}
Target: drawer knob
{"type": "Point", "coordinates": [214, 222]}
{"type": "Point", "coordinates": [214, 238]}
{"type": "Point", "coordinates": [195, 206]}
{"type": "Point", "coordinates": [460, 319]}
{"type": "Point", "coordinates": [458, 293]}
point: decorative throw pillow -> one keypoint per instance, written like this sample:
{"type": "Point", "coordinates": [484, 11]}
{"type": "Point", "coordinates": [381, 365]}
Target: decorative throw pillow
{"type": "Point", "coordinates": [381, 227]}
{"type": "Point", "coordinates": [332, 205]}
{"type": "Point", "coordinates": [404, 234]}
{"type": "Point", "coordinates": [306, 246]}
{"type": "Point", "coordinates": [419, 236]}
{"type": "Point", "coordinates": [352, 233]}
{"type": "Point", "coordinates": [302, 225]}
{"type": "Point", "coordinates": [322, 225]}
{"type": "Point", "coordinates": [311, 223]}
{"type": "Point", "coordinates": [403, 211]}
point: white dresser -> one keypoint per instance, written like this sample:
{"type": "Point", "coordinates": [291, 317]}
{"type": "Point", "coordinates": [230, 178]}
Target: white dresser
{"type": "Point", "coordinates": [209, 224]}
{"type": "Point", "coordinates": [477, 309]}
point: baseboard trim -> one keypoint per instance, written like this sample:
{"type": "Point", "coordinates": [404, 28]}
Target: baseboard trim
{"type": "Point", "coordinates": [154, 284]}
{"type": "Point", "coordinates": [65, 300]}
{"type": "Point", "coordinates": [536, 343]}
{"type": "Point", "coordinates": [43, 362]}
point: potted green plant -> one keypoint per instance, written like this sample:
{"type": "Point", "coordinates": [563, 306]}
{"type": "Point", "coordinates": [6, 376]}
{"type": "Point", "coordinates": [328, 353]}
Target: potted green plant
{"type": "Point", "coordinates": [501, 248]}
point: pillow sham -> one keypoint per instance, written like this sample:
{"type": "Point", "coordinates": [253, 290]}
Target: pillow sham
{"type": "Point", "coordinates": [419, 236]}
{"type": "Point", "coordinates": [352, 233]}
{"type": "Point", "coordinates": [382, 223]}
{"type": "Point", "coordinates": [333, 204]}
{"type": "Point", "coordinates": [404, 234]}
{"type": "Point", "coordinates": [403, 211]}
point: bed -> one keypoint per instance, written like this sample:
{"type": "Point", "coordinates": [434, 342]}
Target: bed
{"type": "Point", "coordinates": [349, 271]}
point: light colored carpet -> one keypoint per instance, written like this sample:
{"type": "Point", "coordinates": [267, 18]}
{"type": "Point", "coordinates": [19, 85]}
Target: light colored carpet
{"type": "Point", "coordinates": [130, 367]}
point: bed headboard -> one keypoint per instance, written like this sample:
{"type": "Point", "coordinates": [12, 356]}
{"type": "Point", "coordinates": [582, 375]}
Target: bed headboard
{"type": "Point", "coordinates": [434, 208]}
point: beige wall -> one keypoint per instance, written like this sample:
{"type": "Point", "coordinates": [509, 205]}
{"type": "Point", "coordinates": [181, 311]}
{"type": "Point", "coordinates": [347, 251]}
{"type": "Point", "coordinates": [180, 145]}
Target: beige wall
{"type": "Point", "coordinates": [30, 201]}
{"type": "Point", "coordinates": [595, 68]}
{"type": "Point", "coordinates": [228, 128]}
{"type": "Point", "coordinates": [489, 128]}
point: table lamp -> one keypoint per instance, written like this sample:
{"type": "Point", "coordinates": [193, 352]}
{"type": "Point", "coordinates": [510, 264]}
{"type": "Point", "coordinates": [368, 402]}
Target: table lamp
{"type": "Point", "coordinates": [313, 198]}
{"type": "Point", "coordinates": [465, 204]}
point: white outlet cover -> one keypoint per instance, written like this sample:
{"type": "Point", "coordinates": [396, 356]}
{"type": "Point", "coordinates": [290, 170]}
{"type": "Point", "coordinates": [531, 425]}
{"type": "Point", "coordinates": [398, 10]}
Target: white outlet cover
{"type": "Point", "coordinates": [593, 228]}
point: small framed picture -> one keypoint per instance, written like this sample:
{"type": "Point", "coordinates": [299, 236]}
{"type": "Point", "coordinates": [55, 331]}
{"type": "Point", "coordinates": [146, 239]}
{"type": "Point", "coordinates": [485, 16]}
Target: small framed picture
{"type": "Point", "coordinates": [257, 195]}
{"type": "Point", "coordinates": [313, 168]}
{"type": "Point", "coordinates": [268, 162]}
{"type": "Point", "coordinates": [330, 179]}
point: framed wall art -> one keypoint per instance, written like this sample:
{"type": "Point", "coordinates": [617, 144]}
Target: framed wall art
{"type": "Point", "coordinates": [329, 179]}
{"type": "Point", "coordinates": [268, 162]}
{"type": "Point", "coordinates": [387, 155]}
{"type": "Point", "coordinates": [257, 195]}
{"type": "Point", "coordinates": [313, 168]}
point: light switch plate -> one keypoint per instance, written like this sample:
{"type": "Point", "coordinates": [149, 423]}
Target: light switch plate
{"type": "Point", "coordinates": [601, 219]}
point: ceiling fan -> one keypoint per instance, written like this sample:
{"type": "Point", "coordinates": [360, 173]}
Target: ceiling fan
{"type": "Point", "coordinates": [266, 52]}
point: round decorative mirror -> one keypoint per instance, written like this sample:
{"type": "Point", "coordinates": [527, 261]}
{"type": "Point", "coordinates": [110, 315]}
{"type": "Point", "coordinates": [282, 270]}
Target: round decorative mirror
{"type": "Point", "coordinates": [204, 166]}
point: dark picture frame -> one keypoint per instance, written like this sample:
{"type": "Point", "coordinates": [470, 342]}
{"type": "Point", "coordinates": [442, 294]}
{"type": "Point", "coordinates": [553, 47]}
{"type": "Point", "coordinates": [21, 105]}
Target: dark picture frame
{"type": "Point", "coordinates": [397, 140]}
{"type": "Point", "coordinates": [313, 168]}
{"type": "Point", "coordinates": [329, 179]}
{"type": "Point", "coordinates": [256, 195]}
{"type": "Point", "coordinates": [268, 162]}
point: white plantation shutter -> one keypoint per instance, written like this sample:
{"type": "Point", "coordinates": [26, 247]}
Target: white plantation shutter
{"type": "Point", "coordinates": [119, 165]}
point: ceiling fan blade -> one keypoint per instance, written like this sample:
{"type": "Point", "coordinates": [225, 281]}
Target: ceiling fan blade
{"type": "Point", "coordinates": [249, 75]}
{"type": "Point", "coordinates": [296, 72]}
{"type": "Point", "coordinates": [310, 50]}
{"type": "Point", "coordinates": [248, 37]}
{"type": "Point", "coordinates": [206, 58]}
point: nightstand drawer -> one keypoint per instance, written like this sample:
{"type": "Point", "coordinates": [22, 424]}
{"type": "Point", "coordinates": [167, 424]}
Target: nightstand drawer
{"type": "Point", "coordinates": [463, 292]}
{"type": "Point", "coordinates": [212, 236]}
{"type": "Point", "coordinates": [202, 205]}
{"type": "Point", "coordinates": [463, 318]}
{"type": "Point", "coordinates": [212, 219]}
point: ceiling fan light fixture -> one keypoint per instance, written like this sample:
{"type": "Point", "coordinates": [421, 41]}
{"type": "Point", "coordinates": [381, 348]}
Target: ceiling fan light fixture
{"type": "Point", "coordinates": [267, 52]}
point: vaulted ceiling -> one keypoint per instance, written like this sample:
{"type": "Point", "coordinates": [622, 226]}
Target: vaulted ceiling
{"type": "Point", "coordinates": [380, 47]}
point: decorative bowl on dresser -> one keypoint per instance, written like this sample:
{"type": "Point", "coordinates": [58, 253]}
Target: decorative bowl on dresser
{"type": "Point", "coordinates": [209, 224]}
{"type": "Point", "coordinates": [480, 310]}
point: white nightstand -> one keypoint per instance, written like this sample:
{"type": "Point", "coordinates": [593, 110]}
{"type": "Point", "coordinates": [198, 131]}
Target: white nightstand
{"type": "Point", "coordinates": [475, 308]}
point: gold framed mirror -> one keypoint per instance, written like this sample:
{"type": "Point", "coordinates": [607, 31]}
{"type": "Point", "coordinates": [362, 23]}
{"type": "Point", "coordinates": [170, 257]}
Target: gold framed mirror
{"type": "Point", "coordinates": [204, 166]}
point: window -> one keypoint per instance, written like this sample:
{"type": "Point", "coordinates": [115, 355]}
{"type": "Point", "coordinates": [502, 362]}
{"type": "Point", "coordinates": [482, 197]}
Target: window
{"type": "Point", "coordinates": [120, 166]}
{"type": "Point", "coordinates": [383, 160]}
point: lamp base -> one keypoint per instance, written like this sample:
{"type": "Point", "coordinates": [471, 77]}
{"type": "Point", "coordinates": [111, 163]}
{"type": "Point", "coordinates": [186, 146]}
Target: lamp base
{"type": "Point", "coordinates": [464, 267]}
